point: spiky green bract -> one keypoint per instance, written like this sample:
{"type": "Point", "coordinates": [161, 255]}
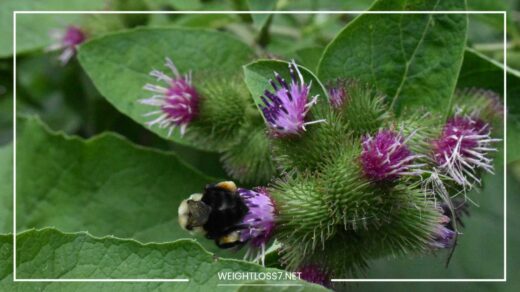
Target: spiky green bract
{"type": "Point", "coordinates": [484, 104]}
{"type": "Point", "coordinates": [222, 113]}
{"type": "Point", "coordinates": [353, 201]}
{"type": "Point", "coordinates": [407, 225]}
{"type": "Point", "coordinates": [344, 255]}
{"type": "Point", "coordinates": [337, 201]}
{"type": "Point", "coordinates": [307, 151]}
{"type": "Point", "coordinates": [249, 161]}
{"type": "Point", "coordinates": [410, 224]}
{"type": "Point", "coordinates": [364, 110]}
{"type": "Point", "coordinates": [303, 217]}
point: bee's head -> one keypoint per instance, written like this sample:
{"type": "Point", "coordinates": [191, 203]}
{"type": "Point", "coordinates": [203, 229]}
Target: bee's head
{"type": "Point", "coordinates": [193, 213]}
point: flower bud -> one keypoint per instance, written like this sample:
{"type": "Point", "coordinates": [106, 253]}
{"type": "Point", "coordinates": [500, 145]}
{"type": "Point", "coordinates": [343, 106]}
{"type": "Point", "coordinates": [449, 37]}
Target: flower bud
{"type": "Point", "coordinates": [67, 40]}
{"type": "Point", "coordinates": [463, 147]}
{"type": "Point", "coordinates": [385, 157]}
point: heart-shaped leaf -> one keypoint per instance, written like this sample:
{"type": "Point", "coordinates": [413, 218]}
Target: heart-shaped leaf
{"type": "Point", "coordinates": [104, 185]}
{"type": "Point", "coordinates": [413, 58]}
{"type": "Point", "coordinates": [119, 64]}
{"type": "Point", "coordinates": [49, 253]}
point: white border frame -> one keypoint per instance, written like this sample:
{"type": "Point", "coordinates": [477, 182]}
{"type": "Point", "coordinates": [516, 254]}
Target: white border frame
{"type": "Point", "coordinates": [503, 13]}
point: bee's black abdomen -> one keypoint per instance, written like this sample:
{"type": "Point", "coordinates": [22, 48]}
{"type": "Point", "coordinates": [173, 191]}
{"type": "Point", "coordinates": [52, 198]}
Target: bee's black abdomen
{"type": "Point", "coordinates": [227, 210]}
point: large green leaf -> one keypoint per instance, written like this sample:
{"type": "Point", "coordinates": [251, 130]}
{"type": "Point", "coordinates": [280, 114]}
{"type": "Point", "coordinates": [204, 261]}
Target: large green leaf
{"type": "Point", "coordinates": [49, 253]}
{"type": "Point", "coordinates": [258, 74]}
{"type": "Point", "coordinates": [310, 57]}
{"type": "Point", "coordinates": [104, 185]}
{"type": "Point", "coordinates": [119, 64]}
{"type": "Point", "coordinates": [6, 189]}
{"type": "Point", "coordinates": [32, 31]}
{"type": "Point", "coordinates": [414, 59]}
{"type": "Point", "coordinates": [483, 72]}
{"type": "Point", "coordinates": [6, 102]}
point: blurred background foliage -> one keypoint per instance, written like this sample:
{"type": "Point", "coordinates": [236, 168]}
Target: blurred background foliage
{"type": "Point", "coordinates": [65, 99]}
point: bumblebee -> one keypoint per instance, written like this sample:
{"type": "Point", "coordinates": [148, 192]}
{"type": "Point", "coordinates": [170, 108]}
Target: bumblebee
{"type": "Point", "coordinates": [217, 213]}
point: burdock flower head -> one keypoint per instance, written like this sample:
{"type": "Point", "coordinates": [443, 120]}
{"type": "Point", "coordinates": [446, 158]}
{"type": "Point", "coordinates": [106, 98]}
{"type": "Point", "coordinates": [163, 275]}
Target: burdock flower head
{"type": "Point", "coordinates": [259, 222]}
{"type": "Point", "coordinates": [463, 147]}
{"type": "Point", "coordinates": [442, 236]}
{"type": "Point", "coordinates": [68, 41]}
{"type": "Point", "coordinates": [385, 157]}
{"type": "Point", "coordinates": [285, 108]}
{"type": "Point", "coordinates": [178, 102]}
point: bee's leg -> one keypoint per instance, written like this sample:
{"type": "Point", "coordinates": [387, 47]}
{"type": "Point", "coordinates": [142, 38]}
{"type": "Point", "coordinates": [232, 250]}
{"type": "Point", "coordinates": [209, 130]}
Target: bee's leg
{"type": "Point", "coordinates": [229, 240]}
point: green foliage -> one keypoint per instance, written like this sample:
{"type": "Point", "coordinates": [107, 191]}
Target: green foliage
{"type": "Point", "coordinates": [99, 185]}
{"type": "Point", "coordinates": [6, 189]}
{"type": "Point", "coordinates": [131, 20]}
{"type": "Point", "coordinates": [261, 20]}
{"type": "Point", "coordinates": [328, 212]}
{"type": "Point", "coordinates": [32, 30]}
{"type": "Point", "coordinates": [173, 4]}
{"type": "Point", "coordinates": [78, 254]}
{"type": "Point", "coordinates": [119, 64]}
{"type": "Point", "coordinates": [309, 57]}
{"type": "Point", "coordinates": [413, 59]}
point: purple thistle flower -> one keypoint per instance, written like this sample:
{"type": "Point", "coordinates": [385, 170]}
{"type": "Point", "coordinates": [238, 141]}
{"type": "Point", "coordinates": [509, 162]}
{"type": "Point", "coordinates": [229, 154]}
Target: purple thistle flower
{"type": "Point", "coordinates": [178, 102]}
{"type": "Point", "coordinates": [67, 40]}
{"type": "Point", "coordinates": [385, 157]}
{"type": "Point", "coordinates": [285, 108]}
{"type": "Point", "coordinates": [315, 274]}
{"type": "Point", "coordinates": [259, 222]}
{"type": "Point", "coordinates": [442, 236]}
{"type": "Point", "coordinates": [463, 148]}
{"type": "Point", "coordinates": [337, 94]}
